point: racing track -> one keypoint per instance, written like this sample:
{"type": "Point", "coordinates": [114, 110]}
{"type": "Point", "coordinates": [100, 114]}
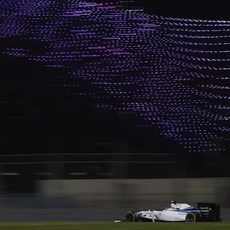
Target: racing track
{"type": "Point", "coordinates": [87, 215]}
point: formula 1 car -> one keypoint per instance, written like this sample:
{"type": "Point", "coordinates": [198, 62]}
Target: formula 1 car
{"type": "Point", "coordinates": [178, 212]}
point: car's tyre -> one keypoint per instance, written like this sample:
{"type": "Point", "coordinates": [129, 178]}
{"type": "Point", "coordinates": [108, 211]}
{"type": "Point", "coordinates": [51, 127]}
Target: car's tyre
{"type": "Point", "coordinates": [190, 217]}
{"type": "Point", "coordinates": [130, 217]}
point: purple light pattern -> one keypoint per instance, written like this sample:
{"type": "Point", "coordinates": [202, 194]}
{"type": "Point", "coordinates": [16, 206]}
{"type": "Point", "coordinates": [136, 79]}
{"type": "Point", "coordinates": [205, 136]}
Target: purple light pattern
{"type": "Point", "coordinates": [172, 73]}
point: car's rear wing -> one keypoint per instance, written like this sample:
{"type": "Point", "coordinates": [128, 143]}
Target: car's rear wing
{"type": "Point", "coordinates": [209, 211]}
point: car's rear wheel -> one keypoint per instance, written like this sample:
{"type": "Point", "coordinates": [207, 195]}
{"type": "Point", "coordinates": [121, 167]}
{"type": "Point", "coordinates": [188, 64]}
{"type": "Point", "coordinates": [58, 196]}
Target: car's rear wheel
{"type": "Point", "coordinates": [190, 217]}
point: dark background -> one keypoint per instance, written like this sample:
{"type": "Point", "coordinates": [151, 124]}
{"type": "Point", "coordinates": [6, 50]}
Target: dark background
{"type": "Point", "coordinates": [188, 9]}
{"type": "Point", "coordinates": [36, 118]}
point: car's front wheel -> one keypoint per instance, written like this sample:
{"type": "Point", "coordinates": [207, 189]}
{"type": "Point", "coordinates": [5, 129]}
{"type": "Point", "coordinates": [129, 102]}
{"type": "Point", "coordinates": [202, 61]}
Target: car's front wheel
{"type": "Point", "coordinates": [130, 217]}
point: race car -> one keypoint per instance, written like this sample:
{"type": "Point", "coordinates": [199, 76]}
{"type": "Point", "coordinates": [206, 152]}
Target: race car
{"type": "Point", "coordinates": [178, 212]}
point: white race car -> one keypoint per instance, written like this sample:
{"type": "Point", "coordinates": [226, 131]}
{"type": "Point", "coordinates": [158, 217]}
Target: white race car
{"type": "Point", "coordinates": [178, 212]}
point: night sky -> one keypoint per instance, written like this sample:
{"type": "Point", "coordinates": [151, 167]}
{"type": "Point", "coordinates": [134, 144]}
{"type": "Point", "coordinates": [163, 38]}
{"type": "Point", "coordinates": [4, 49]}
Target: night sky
{"type": "Point", "coordinates": [158, 98]}
{"type": "Point", "coordinates": [38, 118]}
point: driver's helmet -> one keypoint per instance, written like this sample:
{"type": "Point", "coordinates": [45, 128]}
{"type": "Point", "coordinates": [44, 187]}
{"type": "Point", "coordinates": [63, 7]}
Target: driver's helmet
{"type": "Point", "coordinates": [173, 202]}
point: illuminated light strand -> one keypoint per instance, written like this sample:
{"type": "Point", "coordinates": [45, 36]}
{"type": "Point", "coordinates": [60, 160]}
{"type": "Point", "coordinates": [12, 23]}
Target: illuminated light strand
{"type": "Point", "coordinates": [140, 63]}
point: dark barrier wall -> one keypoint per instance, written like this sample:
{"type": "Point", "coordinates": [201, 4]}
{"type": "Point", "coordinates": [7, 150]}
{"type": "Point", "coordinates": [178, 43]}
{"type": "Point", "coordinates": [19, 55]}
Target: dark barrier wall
{"type": "Point", "coordinates": [99, 200]}
{"type": "Point", "coordinates": [134, 193]}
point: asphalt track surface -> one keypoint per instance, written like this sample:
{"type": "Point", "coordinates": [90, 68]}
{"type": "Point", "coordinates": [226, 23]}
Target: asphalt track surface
{"type": "Point", "coordinates": [87, 215]}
